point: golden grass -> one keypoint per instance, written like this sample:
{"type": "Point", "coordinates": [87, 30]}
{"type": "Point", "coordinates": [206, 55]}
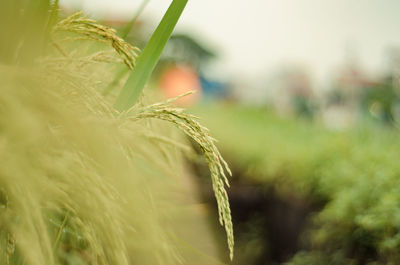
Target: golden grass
{"type": "Point", "coordinates": [81, 183]}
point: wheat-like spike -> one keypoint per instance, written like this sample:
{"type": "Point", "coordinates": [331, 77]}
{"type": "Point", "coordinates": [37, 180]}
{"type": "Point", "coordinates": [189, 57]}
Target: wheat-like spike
{"type": "Point", "coordinates": [90, 30]}
{"type": "Point", "coordinates": [217, 165]}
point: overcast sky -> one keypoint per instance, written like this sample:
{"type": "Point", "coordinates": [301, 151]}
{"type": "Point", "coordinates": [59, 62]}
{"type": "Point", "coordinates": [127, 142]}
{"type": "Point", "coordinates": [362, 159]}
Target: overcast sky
{"type": "Point", "coordinates": [255, 36]}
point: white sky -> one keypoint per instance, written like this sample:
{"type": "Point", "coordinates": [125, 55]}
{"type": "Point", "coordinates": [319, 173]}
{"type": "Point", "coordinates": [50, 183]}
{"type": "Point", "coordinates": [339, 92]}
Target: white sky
{"type": "Point", "coordinates": [255, 36]}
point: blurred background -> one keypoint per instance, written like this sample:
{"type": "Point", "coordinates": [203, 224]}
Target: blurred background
{"type": "Point", "coordinates": [304, 98]}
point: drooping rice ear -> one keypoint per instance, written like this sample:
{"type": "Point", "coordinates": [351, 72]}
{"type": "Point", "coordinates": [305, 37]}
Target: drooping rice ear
{"type": "Point", "coordinates": [89, 29]}
{"type": "Point", "coordinates": [200, 134]}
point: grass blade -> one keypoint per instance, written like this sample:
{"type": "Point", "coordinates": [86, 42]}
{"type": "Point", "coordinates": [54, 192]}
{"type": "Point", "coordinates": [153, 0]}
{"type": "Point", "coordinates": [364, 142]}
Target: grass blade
{"type": "Point", "coordinates": [148, 59]}
{"type": "Point", "coordinates": [125, 31]}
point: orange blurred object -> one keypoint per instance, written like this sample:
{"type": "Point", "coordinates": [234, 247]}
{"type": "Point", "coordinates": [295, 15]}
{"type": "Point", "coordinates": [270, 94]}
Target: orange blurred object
{"type": "Point", "coordinates": [179, 79]}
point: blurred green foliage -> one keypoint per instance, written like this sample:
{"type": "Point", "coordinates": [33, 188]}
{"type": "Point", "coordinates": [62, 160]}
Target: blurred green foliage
{"type": "Point", "coordinates": [354, 174]}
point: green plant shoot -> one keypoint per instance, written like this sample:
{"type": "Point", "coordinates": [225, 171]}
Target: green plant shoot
{"type": "Point", "coordinates": [148, 59]}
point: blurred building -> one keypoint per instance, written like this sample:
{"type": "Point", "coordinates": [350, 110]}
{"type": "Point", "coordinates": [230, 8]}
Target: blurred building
{"type": "Point", "coordinates": [357, 95]}
{"type": "Point", "coordinates": [178, 79]}
{"type": "Point", "coordinates": [184, 67]}
{"type": "Point", "coordinates": [341, 107]}
{"type": "Point", "coordinates": [292, 92]}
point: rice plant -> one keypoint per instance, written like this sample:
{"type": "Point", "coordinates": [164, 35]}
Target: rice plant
{"type": "Point", "coordinates": [80, 181]}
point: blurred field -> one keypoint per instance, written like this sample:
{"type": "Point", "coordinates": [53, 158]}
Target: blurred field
{"type": "Point", "coordinates": [348, 181]}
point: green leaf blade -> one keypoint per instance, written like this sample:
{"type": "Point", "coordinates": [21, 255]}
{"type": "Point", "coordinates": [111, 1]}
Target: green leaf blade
{"type": "Point", "coordinates": [148, 59]}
